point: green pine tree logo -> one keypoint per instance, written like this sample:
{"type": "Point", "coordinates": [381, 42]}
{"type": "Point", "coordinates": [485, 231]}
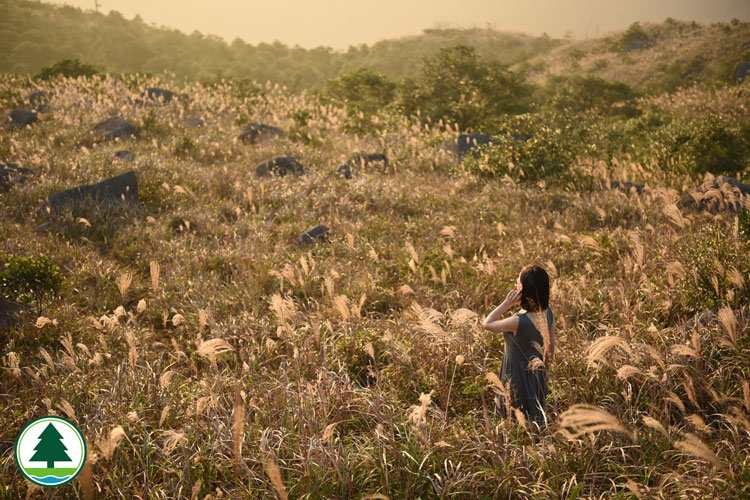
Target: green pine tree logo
{"type": "Point", "coordinates": [50, 448]}
{"type": "Point", "coordinates": [50, 451]}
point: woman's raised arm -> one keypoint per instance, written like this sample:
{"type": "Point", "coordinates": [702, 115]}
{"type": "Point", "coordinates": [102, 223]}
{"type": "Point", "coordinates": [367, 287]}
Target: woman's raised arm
{"type": "Point", "coordinates": [493, 324]}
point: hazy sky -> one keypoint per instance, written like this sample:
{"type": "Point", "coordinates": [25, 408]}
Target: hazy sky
{"type": "Point", "coordinates": [340, 23]}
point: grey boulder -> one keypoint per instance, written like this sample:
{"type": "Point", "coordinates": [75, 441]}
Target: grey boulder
{"type": "Point", "coordinates": [124, 155]}
{"type": "Point", "coordinates": [742, 71]}
{"type": "Point", "coordinates": [281, 166]}
{"type": "Point", "coordinates": [11, 173]}
{"type": "Point", "coordinates": [159, 95]}
{"type": "Point", "coordinates": [314, 235]}
{"type": "Point", "coordinates": [258, 132]}
{"type": "Point", "coordinates": [344, 171]}
{"type": "Point", "coordinates": [20, 118]}
{"type": "Point", "coordinates": [362, 160]}
{"type": "Point", "coordinates": [718, 194]}
{"type": "Point", "coordinates": [466, 143]}
{"type": "Point", "coordinates": [122, 189]}
{"type": "Point", "coordinates": [10, 313]}
{"type": "Point", "coordinates": [116, 128]}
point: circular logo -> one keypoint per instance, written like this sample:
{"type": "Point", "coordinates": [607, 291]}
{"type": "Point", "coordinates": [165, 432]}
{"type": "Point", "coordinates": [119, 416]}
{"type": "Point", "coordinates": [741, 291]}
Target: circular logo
{"type": "Point", "coordinates": [50, 451]}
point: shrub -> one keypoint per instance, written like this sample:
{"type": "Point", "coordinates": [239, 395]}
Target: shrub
{"type": "Point", "coordinates": [709, 254]}
{"type": "Point", "coordinates": [743, 222]}
{"type": "Point", "coordinates": [585, 93]}
{"type": "Point", "coordinates": [184, 146]}
{"type": "Point", "coordinates": [545, 154]}
{"type": "Point", "coordinates": [456, 87]}
{"type": "Point", "coordinates": [363, 93]}
{"type": "Point", "coordinates": [301, 131]}
{"type": "Point", "coordinates": [702, 144]}
{"type": "Point", "coordinates": [27, 280]}
{"type": "Point", "coordinates": [632, 34]}
{"type": "Point", "coordinates": [67, 68]}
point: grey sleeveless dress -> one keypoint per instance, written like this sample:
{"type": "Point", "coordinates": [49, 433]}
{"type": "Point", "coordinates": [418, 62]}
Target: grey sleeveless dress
{"type": "Point", "coordinates": [528, 386]}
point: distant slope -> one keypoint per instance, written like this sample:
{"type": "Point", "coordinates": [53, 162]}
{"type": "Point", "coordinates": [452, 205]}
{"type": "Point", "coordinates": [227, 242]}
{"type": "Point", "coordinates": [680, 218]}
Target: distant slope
{"type": "Point", "coordinates": [674, 54]}
{"type": "Point", "coordinates": [34, 35]}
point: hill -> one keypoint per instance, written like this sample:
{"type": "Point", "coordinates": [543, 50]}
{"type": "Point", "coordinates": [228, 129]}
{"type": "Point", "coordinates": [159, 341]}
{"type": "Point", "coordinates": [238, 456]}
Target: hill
{"type": "Point", "coordinates": [202, 345]}
{"type": "Point", "coordinates": [657, 57]}
{"type": "Point", "coordinates": [34, 35]}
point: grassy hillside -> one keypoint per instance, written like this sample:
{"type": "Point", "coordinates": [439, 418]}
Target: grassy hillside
{"type": "Point", "coordinates": [202, 352]}
{"type": "Point", "coordinates": [34, 35]}
{"type": "Point", "coordinates": [674, 54]}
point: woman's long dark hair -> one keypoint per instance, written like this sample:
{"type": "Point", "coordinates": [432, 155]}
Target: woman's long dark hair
{"type": "Point", "coordinates": [535, 288]}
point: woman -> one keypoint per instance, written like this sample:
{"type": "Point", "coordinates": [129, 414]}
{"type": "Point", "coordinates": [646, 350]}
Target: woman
{"type": "Point", "coordinates": [529, 342]}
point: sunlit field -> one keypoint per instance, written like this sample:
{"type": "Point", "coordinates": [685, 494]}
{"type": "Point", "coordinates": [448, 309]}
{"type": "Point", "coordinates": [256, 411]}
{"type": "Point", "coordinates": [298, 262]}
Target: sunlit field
{"type": "Point", "coordinates": [205, 354]}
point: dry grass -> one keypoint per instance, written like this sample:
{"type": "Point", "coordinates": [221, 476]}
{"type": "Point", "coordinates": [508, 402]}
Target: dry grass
{"type": "Point", "coordinates": [204, 353]}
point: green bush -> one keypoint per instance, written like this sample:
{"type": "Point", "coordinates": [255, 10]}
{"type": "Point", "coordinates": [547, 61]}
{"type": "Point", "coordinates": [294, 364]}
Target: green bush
{"type": "Point", "coordinates": [67, 68]}
{"type": "Point", "coordinates": [590, 93]}
{"type": "Point", "coordinates": [456, 87]}
{"type": "Point", "coordinates": [363, 93]}
{"type": "Point", "coordinates": [707, 143]}
{"type": "Point", "coordinates": [633, 33]}
{"type": "Point", "coordinates": [709, 253]}
{"type": "Point", "coordinates": [301, 131]}
{"type": "Point", "coordinates": [545, 154]}
{"type": "Point", "coordinates": [744, 222]}
{"type": "Point", "coordinates": [27, 280]}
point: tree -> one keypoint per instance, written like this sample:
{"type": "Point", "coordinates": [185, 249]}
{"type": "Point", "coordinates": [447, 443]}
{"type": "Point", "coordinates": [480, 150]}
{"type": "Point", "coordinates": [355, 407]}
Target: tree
{"type": "Point", "coordinates": [50, 448]}
{"type": "Point", "coordinates": [68, 68]}
{"type": "Point", "coordinates": [363, 93]}
{"type": "Point", "coordinates": [455, 86]}
{"type": "Point", "coordinates": [27, 279]}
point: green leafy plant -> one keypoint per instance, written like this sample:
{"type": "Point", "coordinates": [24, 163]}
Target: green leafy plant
{"type": "Point", "coordinates": [67, 68]}
{"type": "Point", "coordinates": [583, 93]}
{"type": "Point", "coordinates": [27, 279]}
{"type": "Point", "coordinates": [707, 143]}
{"type": "Point", "coordinates": [363, 93]}
{"type": "Point", "coordinates": [634, 33]}
{"type": "Point", "coordinates": [545, 154]}
{"type": "Point", "coordinates": [457, 87]}
{"type": "Point", "coordinates": [744, 222]}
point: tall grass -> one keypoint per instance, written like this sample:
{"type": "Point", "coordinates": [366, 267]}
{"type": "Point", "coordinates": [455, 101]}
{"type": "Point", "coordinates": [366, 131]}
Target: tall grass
{"type": "Point", "coordinates": [205, 354]}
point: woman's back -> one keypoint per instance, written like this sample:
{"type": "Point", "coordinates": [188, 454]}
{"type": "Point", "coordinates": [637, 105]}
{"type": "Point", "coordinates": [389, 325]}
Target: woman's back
{"type": "Point", "coordinates": [523, 361]}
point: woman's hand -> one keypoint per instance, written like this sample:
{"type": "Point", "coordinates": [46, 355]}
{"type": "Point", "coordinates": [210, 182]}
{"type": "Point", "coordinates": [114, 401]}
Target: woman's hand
{"type": "Point", "coordinates": [513, 297]}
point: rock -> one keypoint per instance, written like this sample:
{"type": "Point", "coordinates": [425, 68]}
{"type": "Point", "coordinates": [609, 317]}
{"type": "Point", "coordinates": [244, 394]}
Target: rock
{"type": "Point", "coordinates": [624, 186]}
{"type": "Point", "coordinates": [10, 313]}
{"type": "Point", "coordinates": [10, 172]}
{"type": "Point", "coordinates": [344, 171]}
{"type": "Point", "coordinates": [522, 137]}
{"type": "Point", "coordinates": [194, 122]}
{"type": "Point", "coordinates": [258, 132]}
{"type": "Point", "coordinates": [20, 118]}
{"type": "Point", "coordinates": [124, 155]}
{"type": "Point", "coordinates": [281, 165]}
{"type": "Point", "coordinates": [718, 194]}
{"type": "Point", "coordinates": [742, 71]}
{"type": "Point", "coordinates": [702, 319]}
{"type": "Point", "coordinates": [469, 142]}
{"type": "Point", "coordinates": [39, 100]}
{"type": "Point", "coordinates": [635, 45]}
{"type": "Point", "coordinates": [361, 160]}
{"type": "Point", "coordinates": [116, 128]}
{"type": "Point", "coordinates": [45, 226]}
{"type": "Point", "coordinates": [314, 235]}
{"type": "Point", "coordinates": [160, 95]}
{"type": "Point", "coordinates": [120, 189]}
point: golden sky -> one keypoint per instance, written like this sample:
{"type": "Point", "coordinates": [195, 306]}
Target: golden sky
{"type": "Point", "coordinates": [340, 23]}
